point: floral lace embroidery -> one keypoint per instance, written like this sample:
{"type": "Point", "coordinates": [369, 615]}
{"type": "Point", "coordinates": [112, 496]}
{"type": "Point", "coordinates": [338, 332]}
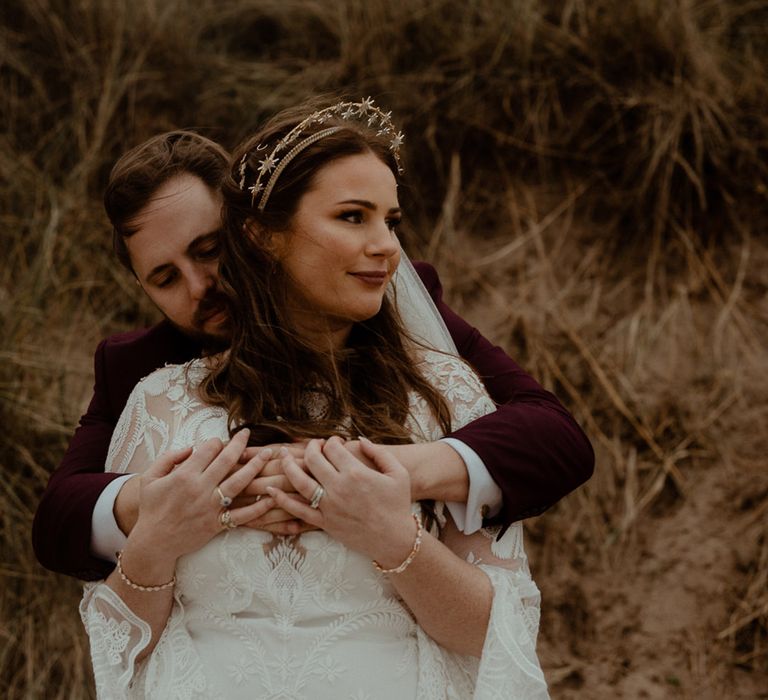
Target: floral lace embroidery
{"type": "Point", "coordinates": [110, 637]}
{"type": "Point", "coordinates": [304, 618]}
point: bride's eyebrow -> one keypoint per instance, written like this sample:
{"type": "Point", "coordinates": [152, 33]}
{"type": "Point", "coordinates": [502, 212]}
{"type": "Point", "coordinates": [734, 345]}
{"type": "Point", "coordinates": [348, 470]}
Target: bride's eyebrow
{"type": "Point", "coordinates": [360, 202]}
{"type": "Point", "coordinates": [369, 205]}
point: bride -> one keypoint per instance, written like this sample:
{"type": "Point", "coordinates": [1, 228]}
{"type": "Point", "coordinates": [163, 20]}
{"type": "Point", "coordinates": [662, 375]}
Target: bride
{"type": "Point", "coordinates": [333, 334]}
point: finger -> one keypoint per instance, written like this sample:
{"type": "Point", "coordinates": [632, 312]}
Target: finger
{"type": "Point", "coordinates": [317, 465]}
{"type": "Point", "coordinates": [273, 516]}
{"type": "Point", "coordinates": [275, 466]}
{"type": "Point", "coordinates": [258, 486]}
{"type": "Point", "coordinates": [298, 443]}
{"type": "Point", "coordinates": [203, 454]}
{"type": "Point", "coordinates": [249, 453]}
{"type": "Point", "coordinates": [165, 463]}
{"type": "Point", "coordinates": [234, 484]}
{"type": "Point", "coordinates": [304, 484]}
{"type": "Point", "coordinates": [252, 512]}
{"type": "Point", "coordinates": [217, 469]}
{"type": "Point", "coordinates": [336, 453]}
{"type": "Point", "coordinates": [288, 527]}
{"type": "Point", "coordinates": [278, 515]}
{"type": "Point", "coordinates": [295, 448]}
{"type": "Point", "coordinates": [381, 457]}
{"type": "Point", "coordinates": [244, 500]}
{"type": "Point", "coordinates": [278, 471]}
{"type": "Point", "coordinates": [353, 447]}
{"type": "Point", "coordinates": [297, 508]}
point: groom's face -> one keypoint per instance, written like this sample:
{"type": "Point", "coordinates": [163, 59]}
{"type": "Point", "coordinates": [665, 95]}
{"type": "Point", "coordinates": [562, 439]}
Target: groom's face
{"type": "Point", "coordinates": [175, 252]}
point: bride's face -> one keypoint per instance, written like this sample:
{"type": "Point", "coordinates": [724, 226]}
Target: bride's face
{"type": "Point", "coordinates": [342, 251]}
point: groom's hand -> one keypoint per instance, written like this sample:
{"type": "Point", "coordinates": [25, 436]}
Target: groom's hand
{"type": "Point", "coordinates": [276, 521]}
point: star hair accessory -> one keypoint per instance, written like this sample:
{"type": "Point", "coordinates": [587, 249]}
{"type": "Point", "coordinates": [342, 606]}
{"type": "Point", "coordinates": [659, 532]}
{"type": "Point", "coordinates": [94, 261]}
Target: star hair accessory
{"type": "Point", "coordinates": [288, 147]}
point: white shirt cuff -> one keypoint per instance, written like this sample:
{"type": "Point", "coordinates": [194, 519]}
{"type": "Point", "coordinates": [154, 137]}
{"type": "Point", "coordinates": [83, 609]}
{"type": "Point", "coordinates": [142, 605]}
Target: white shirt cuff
{"type": "Point", "coordinates": [484, 499]}
{"type": "Point", "coordinates": [106, 537]}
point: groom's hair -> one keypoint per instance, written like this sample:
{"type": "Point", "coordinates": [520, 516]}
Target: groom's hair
{"type": "Point", "coordinates": [140, 172]}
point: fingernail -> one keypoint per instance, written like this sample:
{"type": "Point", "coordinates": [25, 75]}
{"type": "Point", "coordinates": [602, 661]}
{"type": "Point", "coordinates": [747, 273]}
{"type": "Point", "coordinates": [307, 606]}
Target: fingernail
{"type": "Point", "coordinates": [284, 452]}
{"type": "Point", "coordinates": [271, 490]}
{"type": "Point", "coordinates": [266, 453]}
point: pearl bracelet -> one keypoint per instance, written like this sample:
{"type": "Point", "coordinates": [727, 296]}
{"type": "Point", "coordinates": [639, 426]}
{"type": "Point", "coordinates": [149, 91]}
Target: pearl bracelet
{"type": "Point", "coordinates": [137, 586]}
{"type": "Point", "coordinates": [410, 557]}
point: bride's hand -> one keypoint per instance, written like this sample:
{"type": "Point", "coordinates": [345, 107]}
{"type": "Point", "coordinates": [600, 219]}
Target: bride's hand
{"type": "Point", "coordinates": [366, 509]}
{"type": "Point", "coordinates": [276, 520]}
{"type": "Point", "coordinates": [179, 505]}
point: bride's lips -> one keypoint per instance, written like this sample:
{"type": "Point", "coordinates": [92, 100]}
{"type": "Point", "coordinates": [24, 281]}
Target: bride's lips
{"type": "Point", "coordinates": [374, 278]}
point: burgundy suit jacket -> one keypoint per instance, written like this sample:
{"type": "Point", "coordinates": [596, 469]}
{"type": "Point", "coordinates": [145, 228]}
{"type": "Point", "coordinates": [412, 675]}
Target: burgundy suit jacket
{"type": "Point", "coordinates": [531, 445]}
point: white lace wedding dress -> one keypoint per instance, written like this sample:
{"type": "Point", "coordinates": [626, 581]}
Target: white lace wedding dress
{"type": "Point", "coordinates": [304, 618]}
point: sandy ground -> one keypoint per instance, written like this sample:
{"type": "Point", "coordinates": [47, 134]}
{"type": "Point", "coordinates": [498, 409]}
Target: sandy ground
{"type": "Point", "coordinates": [646, 623]}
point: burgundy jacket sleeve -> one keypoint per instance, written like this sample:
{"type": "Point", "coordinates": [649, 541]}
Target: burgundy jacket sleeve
{"type": "Point", "coordinates": [531, 445]}
{"type": "Point", "coordinates": [61, 531]}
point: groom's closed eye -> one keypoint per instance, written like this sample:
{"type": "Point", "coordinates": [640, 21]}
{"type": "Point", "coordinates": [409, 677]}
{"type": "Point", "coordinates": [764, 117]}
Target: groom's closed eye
{"type": "Point", "coordinates": [206, 247]}
{"type": "Point", "coordinates": [163, 276]}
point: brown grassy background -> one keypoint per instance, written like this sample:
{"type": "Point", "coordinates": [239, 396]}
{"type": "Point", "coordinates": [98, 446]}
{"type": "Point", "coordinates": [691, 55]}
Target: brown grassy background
{"type": "Point", "coordinates": [590, 178]}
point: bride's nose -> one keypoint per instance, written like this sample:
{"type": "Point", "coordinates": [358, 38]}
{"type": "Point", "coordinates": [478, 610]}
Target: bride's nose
{"type": "Point", "coordinates": [382, 241]}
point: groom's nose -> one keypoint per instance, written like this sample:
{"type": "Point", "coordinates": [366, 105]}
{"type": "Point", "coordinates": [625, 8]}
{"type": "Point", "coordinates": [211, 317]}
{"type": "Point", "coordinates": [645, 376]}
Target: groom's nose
{"type": "Point", "coordinates": [201, 279]}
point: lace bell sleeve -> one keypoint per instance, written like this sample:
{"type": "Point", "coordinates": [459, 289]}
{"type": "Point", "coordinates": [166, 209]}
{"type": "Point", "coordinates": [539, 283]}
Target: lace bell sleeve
{"type": "Point", "coordinates": [508, 667]}
{"type": "Point", "coordinates": [117, 635]}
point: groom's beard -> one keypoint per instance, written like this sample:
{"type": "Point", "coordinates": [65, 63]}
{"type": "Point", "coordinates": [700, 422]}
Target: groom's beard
{"type": "Point", "coordinates": [216, 338]}
{"type": "Point", "coordinates": [209, 343]}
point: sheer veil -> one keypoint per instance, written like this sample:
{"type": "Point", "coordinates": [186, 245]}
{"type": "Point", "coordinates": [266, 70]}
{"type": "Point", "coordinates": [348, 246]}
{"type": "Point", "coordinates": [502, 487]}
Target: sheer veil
{"type": "Point", "coordinates": [417, 310]}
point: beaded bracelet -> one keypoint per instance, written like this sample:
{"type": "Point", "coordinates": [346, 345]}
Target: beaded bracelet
{"type": "Point", "coordinates": [410, 557]}
{"type": "Point", "coordinates": [137, 586]}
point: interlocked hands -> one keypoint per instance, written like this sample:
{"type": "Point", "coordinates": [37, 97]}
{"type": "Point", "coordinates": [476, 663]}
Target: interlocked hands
{"type": "Point", "coordinates": [365, 503]}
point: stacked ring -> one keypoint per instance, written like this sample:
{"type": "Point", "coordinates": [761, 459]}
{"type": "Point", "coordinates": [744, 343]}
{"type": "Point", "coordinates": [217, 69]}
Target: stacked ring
{"type": "Point", "coordinates": [226, 520]}
{"type": "Point", "coordinates": [316, 496]}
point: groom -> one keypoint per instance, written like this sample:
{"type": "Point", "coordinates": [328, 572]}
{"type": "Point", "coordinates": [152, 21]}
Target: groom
{"type": "Point", "coordinates": [168, 237]}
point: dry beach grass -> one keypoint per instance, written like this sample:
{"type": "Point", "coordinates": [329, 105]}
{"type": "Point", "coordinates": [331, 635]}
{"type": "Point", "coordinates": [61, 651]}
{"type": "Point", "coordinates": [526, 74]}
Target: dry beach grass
{"type": "Point", "coordinates": [591, 180]}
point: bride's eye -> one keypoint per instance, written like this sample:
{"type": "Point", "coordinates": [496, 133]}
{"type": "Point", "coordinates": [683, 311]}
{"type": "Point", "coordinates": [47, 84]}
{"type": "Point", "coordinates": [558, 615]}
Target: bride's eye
{"type": "Point", "coordinates": [394, 222]}
{"type": "Point", "coordinates": [353, 216]}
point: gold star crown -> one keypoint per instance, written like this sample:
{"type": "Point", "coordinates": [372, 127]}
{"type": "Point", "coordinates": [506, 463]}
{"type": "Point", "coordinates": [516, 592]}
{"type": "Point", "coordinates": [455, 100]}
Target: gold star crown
{"type": "Point", "coordinates": [284, 151]}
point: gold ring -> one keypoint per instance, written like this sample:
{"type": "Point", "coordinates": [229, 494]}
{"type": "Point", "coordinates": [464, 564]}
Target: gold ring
{"type": "Point", "coordinates": [316, 496]}
{"type": "Point", "coordinates": [225, 518]}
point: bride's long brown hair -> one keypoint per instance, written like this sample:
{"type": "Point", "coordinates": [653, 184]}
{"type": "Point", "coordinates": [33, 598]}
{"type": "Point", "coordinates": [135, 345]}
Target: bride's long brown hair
{"type": "Point", "coordinates": [272, 380]}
